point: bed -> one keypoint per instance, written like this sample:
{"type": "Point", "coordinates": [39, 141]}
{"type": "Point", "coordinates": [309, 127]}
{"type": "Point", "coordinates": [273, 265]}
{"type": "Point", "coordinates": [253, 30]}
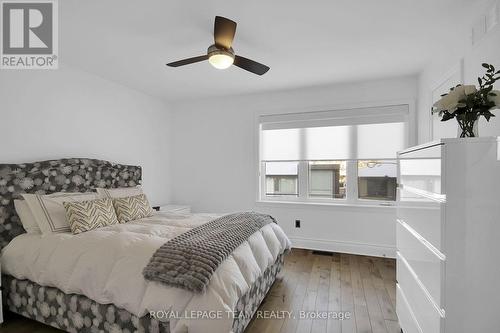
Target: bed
{"type": "Point", "coordinates": [92, 282]}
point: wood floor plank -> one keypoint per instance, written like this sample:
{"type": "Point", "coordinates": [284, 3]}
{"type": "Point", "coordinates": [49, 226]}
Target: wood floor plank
{"type": "Point", "coordinates": [347, 299]}
{"type": "Point", "coordinates": [378, 274]}
{"type": "Point", "coordinates": [319, 324]}
{"type": "Point", "coordinates": [291, 323]}
{"type": "Point", "coordinates": [377, 320]}
{"type": "Point", "coordinates": [360, 308]}
{"type": "Point", "coordinates": [304, 268]}
{"type": "Point", "coordinates": [334, 306]}
{"type": "Point", "coordinates": [305, 324]}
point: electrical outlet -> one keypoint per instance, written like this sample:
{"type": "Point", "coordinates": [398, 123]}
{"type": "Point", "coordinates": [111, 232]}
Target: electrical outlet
{"type": "Point", "coordinates": [297, 223]}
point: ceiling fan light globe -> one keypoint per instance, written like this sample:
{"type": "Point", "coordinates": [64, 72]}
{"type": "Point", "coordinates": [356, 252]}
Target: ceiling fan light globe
{"type": "Point", "coordinates": [221, 60]}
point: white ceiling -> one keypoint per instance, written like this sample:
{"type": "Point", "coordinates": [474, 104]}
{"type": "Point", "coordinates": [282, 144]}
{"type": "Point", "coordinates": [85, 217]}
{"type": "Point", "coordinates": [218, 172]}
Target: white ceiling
{"type": "Point", "coordinates": [305, 43]}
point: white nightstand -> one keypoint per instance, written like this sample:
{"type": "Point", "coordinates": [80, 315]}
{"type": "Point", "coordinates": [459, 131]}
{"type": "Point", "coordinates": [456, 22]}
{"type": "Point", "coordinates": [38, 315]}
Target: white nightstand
{"type": "Point", "coordinates": [181, 209]}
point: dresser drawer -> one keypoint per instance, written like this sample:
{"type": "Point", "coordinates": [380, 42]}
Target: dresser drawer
{"type": "Point", "coordinates": [421, 174]}
{"type": "Point", "coordinates": [428, 315]}
{"type": "Point", "coordinates": [426, 220]}
{"type": "Point", "coordinates": [405, 314]}
{"type": "Point", "coordinates": [425, 260]}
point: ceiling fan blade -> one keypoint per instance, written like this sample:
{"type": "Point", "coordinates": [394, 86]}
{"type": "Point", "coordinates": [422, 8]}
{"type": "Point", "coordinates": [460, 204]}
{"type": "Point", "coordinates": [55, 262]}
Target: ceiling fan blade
{"type": "Point", "coordinates": [187, 61]}
{"type": "Point", "coordinates": [224, 30]}
{"type": "Point", "coordinates": [250, 65]}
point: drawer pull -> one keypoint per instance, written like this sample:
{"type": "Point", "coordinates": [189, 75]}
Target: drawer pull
{"type": "Point", "coordinates": [429, 195]}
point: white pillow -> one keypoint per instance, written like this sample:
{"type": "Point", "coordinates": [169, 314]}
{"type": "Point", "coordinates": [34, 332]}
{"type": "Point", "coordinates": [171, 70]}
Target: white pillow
{"type": "Point", "coordinates": [120, 192]}
{"type": "Point", "coordinates": [49, 211]}
{"type": "Point", "coordinates": [27, 219]}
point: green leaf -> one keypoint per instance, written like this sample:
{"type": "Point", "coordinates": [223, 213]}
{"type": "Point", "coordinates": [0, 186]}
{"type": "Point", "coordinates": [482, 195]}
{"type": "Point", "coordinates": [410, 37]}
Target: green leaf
{"type": "Point", "coordinates": [480, 81]}
{"type": "Point", "coordinates": [485, 65]}
{"type": "Point", "coordinates": [447, 116]}
{"type": "Point", "coordinates": [488, 115]}
{"type": "Point", "coordinates": [492, 94]}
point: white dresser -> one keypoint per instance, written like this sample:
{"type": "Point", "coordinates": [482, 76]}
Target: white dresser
{"type": "Point", "coordinates": [448, 237]}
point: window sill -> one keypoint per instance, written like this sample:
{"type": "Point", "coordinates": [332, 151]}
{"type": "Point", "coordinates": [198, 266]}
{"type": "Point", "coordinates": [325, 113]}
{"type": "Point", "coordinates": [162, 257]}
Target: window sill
{"type": "Point", "coordinates": [302, 204]}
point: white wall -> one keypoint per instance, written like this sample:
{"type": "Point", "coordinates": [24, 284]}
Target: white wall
{"type": "Point", "coordinates": [458, 52]}
{"type": "Point", "coordinates": [214, 163]}
{"type": "Point", "coordinates": [49, 114]}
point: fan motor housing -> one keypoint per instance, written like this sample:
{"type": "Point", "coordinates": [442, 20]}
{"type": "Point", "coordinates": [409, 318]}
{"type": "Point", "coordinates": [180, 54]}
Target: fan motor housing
{"type": "Point", "coordinates": [214, 49]}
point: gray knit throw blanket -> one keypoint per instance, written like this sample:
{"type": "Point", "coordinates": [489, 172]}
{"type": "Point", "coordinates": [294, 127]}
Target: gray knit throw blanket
{"type": "Point", "coordinates": [189, 260]}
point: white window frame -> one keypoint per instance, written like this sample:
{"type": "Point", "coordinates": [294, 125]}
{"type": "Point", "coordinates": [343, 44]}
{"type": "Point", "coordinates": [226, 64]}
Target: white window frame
{"type": "Point", "coordinates": [351, 197]}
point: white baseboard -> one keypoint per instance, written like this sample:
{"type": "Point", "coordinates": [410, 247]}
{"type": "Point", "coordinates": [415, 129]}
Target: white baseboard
{"type": "Point", "coordinates": [344, 247]}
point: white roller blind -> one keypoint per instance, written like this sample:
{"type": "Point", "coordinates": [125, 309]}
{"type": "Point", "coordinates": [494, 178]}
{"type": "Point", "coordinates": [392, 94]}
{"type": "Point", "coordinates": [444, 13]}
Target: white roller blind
{"type": "Point", "coordinates": [332, 142]}
{"type": "Point", "coordinates": [281, 144]}
{"type": "Point", "coordinates": [368, 133]}
{"type": "Point", "coordinates": [380, 140]}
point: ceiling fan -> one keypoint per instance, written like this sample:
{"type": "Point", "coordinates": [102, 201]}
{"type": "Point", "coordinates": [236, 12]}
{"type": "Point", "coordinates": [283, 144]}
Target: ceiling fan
{"type": "Point", "coordinates": [221, 54]}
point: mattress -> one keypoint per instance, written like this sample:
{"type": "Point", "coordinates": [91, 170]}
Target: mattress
{"type": "Point", "coordinates": [106, 266]}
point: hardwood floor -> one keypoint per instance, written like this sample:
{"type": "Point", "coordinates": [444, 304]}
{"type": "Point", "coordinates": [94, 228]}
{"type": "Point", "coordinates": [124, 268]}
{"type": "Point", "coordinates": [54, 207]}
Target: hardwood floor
{"type": "Point", "coordinates": [364, 287]}
{"type": "Point", "coordinates": [327, 285]}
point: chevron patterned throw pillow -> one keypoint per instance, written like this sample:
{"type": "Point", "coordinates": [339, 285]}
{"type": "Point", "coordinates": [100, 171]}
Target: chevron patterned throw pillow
{"type": "Point", "coordinates": [132, 208]}
{"type": "Point", "coordinates": [87, 215]}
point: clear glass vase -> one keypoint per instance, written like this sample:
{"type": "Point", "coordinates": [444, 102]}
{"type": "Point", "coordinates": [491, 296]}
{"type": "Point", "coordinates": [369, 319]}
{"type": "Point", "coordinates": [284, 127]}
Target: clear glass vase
{"type": "Point", "coordinates": [468, 128]}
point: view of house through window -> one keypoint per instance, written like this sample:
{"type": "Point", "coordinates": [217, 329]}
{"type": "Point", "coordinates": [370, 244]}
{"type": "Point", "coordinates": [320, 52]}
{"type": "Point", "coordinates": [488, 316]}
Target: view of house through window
{"type": "Point", "coordinates": [327, 179]}
{"type": "Point", "coordinates": [377, 180]}
{"type": "Point", "coordinates": [345, 158]}
{"type": "Point", "coordinates": [282, 179]}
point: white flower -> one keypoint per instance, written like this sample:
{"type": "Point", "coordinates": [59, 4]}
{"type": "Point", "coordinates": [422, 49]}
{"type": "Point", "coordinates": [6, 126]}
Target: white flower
{"type": "Point", "coordinates": [73, 303]}
{"type": "Point", "coordinates": [115, 329]}
{"type": "Point", "coordinates": [78, 320]}
{"type": "Point", "coordinates": [451, 101]}
{"type": "Point", "coordinates": [45, 309]}
{"type": "Point", "coordinates": [469, 89]}
{"type": "Point", "coordinates": [85, 304]}
{"type": "Point", "coordinates": [78, 180]}
{"type": "Point", "coordinates": [67, 169]}
{"type": "Point", "coordinates": [135, 321]}
{"type": "Point", "coordinates": [26, 183]}
{"type": "Point", "coordinates": [495, 99]}
{"type": "Point", "coordinates": [16, 300]}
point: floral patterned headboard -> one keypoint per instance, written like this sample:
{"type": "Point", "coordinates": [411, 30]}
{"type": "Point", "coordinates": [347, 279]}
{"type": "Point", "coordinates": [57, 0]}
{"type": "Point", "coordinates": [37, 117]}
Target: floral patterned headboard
{"type": "Point", "coordinates": [64, 175]}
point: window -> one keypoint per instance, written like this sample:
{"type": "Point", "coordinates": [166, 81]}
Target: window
{"type": "Point", "coordinates": [282, 179]}
{"type": "Point", "coordinates": [377, 180]}
{"type": "Point", "coordinates": [332, 156]}
{"type": "Point", "coordinates": [327, 179]}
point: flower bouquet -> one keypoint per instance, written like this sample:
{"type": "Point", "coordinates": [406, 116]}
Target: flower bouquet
{"type": "Point", "coordinates": [467, 103]}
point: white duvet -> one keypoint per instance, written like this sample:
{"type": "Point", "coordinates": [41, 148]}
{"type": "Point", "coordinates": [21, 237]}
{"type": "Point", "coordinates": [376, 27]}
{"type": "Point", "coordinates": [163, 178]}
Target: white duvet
{"type": "Point", "coordinates": [106, 265]}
